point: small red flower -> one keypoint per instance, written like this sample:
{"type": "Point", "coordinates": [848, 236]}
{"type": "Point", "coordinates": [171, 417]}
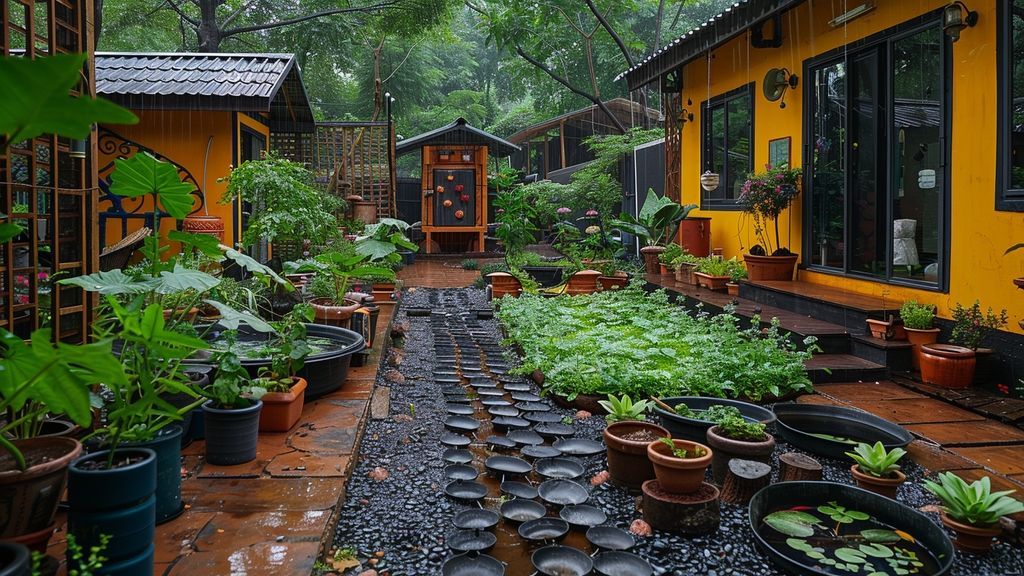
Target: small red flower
{"type": "Point", "coordinates": [464, 197]}
{"type": "Point", "coordinates": [459, 214]}
{"type": "Point", "coordinates": [459, 188]}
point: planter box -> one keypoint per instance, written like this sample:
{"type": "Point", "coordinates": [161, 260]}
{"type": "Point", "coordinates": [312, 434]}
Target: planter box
{"type": "Point", "coordinates": [711, 282]}
{"type": "Point", "coordinates": [281, 410]}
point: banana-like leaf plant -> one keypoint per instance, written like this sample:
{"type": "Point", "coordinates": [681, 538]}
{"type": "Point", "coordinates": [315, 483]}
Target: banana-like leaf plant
{"type": "Point", "coordinates": [658, 219]}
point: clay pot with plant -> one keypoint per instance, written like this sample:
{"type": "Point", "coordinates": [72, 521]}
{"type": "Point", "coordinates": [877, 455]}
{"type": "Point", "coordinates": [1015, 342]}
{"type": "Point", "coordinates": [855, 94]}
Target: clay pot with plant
{"type": "Point", "coordinates": [285, 392]}
{"type": "Point", "coordinates": [765, 196]}
{"type": "Point", "coordinates": [627, 442]}
{"type": "Point", "coordinates": [659, 218]}
{"type": "Point", "coordinates": [876, 468]}
{"type": "Point", "coordinates": [335, 270]}
{"type": "Point", "coordinates": [679, 465]}
{"type": "Point", "coordinates": [918, 321]}
{"type": "Point", "coordinates": [735, 438]}
{"type": "Point", "coordinates": [889, 327]}
{"type": "Point", "coordinates": [972, 510]}
{"type": "Point", "coordinates": [971, 326]}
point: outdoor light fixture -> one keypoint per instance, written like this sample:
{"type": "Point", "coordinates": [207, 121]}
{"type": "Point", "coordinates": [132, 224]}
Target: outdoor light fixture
{"type": "Point", "coordinates": [956, 17]}
{"type": "Point", "coordinates": [685, 116]}
{"type": "Point", "coordinates": [851, 14]}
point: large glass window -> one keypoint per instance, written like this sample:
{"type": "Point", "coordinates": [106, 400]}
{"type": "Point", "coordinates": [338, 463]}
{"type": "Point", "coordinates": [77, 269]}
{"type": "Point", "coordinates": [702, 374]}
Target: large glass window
{"type": "Point", "coordinates": [1010, 195]}
{"type": "Point", "coordinates": [876, 181]}
{"type": "Point", "coordinates": [728, 132]}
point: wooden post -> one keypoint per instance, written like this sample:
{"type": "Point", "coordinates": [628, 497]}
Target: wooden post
{"type": "Point", "coordinates": [744, 479]}
{"type": "Point", "coordinates": [794, 466]}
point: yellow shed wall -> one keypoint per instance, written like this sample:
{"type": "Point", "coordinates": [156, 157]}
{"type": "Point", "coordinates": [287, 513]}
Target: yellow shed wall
{"type": "Point", "coordinates": [979, 233]}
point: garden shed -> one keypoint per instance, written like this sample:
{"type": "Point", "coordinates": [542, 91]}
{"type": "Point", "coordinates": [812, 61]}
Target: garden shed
{"type": "Point", "coordinates": [453, 181]}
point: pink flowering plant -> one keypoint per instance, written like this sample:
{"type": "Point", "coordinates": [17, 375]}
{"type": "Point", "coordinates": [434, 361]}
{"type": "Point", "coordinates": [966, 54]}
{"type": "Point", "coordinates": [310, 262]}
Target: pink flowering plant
{"type": "Point", "coordinates": [765, 196]}
{"type": "Point", "coordinates": [971, 324]}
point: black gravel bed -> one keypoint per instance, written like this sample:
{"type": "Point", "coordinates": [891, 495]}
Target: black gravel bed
{"type": "Point", "coordinates": [399, 525]}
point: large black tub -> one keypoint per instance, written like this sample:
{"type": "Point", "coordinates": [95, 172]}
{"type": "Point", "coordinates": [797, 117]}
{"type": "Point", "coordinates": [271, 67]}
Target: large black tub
{"type": "Point", "coordinates": [696, 430]}
{"type": "Point", "coordinates": [834, 430]}
{"type": "Point", "coordinates": [927, 538]}
{"type": "Point", "coordinates": [324, 371]}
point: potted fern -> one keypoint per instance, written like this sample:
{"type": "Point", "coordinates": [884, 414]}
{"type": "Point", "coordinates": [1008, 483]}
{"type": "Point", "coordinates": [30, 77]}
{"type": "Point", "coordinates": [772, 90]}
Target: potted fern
{"type": "Point", "coordinates": [972, 510]}
{"type": "Point", "coordinates": [876, 468]}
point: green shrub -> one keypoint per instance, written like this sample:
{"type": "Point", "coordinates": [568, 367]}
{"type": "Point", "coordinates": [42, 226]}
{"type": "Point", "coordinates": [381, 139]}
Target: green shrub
{"type": "Point", "coordinates": [917, 316]}
{"type": "Point", "coordinates": [740, 429]}
{"type": "Point", "coordinates": [971, 325]}
{"type": "Point", "coordinates": [469, 264]}
{"type": "Point", "coordinates": [672, 251]}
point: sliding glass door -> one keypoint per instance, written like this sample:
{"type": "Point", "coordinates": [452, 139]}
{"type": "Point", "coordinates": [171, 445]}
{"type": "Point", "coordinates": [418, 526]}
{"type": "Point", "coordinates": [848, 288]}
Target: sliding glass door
{"type": "Point", "coordinates": [876, 161]}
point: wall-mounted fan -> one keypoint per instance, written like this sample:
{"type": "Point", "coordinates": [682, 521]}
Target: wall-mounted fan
{"type": "Point", "coordinates": [775, 84]}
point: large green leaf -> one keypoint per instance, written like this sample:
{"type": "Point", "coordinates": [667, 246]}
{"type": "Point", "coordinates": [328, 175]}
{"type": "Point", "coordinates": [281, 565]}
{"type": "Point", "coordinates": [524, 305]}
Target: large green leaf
{"type": "Point", "coordinates": [250, 264]}
{"type": "Point", "coordinates": [181, 279]}
{"type": "Point", "coordinates": [112, 282]}
{"type": "Point", "coordinates": [37, 100]}
{"type": "Point", "coordinates": [792, 523]}
{"type": "Point", "coordinates": [375, 249]}
{"type": "Point", "coordinates": [8, 230]}
{"type": "Point", "coordinates": [142, 174]}
{"type": "Point", "coordinates": [232, 319]}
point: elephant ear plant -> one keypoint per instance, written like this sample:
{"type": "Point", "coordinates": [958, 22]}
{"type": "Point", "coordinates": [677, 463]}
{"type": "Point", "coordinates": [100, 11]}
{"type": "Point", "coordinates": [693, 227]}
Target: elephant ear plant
{"type": "Point", "coordinates": [658, 219]}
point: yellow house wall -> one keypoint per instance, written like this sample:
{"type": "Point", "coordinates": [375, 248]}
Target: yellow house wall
{"type": "Point", "coordinates": [182, 136]}
{"type": "Point", "coordinates": [979, 233]}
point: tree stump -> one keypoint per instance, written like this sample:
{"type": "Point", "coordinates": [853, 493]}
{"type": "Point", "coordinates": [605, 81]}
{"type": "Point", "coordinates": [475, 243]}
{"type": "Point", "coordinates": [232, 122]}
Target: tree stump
{"type": "Point", "coordinates": [688, 514]}
{"type": "Point", "coordinates": [795, 467]}
{"type": "Point", "coordinates": [744, 479]}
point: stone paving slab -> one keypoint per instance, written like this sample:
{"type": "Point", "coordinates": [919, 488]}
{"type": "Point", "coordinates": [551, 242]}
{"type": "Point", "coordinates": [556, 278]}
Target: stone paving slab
{"type": "Point", "coordinates": [970, 433]}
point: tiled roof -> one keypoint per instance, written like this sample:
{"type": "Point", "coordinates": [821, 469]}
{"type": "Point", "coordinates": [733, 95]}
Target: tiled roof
{"type": "Point", "coordinates": [458, 133]}
{"type": "Point", "coordinates": [185, 74]}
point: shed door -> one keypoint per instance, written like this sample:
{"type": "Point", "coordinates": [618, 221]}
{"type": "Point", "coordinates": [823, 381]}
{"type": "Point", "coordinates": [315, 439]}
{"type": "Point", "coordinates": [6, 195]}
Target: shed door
{"type": "Point", "coordinates": [459, 192]}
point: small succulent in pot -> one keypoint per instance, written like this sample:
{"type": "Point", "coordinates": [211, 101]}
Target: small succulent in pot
{"type": "Point", "coordinates": [621, 409]}
{"type": "Point", "coordinates": [876, 468]}
{"type": "Point", "coordinates": [972, 510]}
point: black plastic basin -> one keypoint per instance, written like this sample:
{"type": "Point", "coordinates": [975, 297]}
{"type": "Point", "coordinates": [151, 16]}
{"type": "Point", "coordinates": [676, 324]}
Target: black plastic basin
{"type": "Point", "coordinates": [798, 424]}
{"type": "Point", "coordinates": [696, 430]}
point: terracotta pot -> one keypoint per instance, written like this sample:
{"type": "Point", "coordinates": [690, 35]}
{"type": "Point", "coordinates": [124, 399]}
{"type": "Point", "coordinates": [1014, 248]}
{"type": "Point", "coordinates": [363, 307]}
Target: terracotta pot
{"type": "Point", "coordinates": [972, 539]}
{"type": "Point", "coordinates": [281, 410]}
{"type": "Point", "coordinates": [613, 282]}
{"type": "Point", "coordinates": [504, 284]}
{"type": "Point", "coordinates": [770, 267]}
{"type": "Point", "coordinates": [627, 458]}
{"type": "Point", "coordinates": [725, 449]}
{"type": "Point", "coordinates": [732, 288]}
{"type": "Point", "coordinates": [664, 270]}
{"type": "Point", "coordinates": [328, 313]}
{"type": "Point", "coordinates": [711, 282]}
{"type": "Point", "coordinates": [882, 329]}
{"type": "Point", "coordinates": [583, 282]}
{"type": "Point", "coordinates": [884, 486]}
{"type": "Point", "coordinates": [919, 338]}
{"type": "Point", "coordinates": [37, 541]}
{"type": "Point", "coordinates": [679, 475]}
{"type": "Point", "coordinates": [207, 225]}
{"type": "Point", "coordinates": [947, 365]}
{"type": "Point", "coordinates": [651, 262]}
{"type": "Point", "coordinates": [28, 499]}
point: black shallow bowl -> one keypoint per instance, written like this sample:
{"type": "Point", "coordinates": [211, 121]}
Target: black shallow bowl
{"type": "Point", "coordinates": [558, 468]}
{"type": "Point", "coordinates": [610, 538]}
{"type": "Point", "coordinates": [579, 446]}
{"type": "Point", "coordinates": [789, 494]}
{"type": "Point", "coordinates": [562, 492]}
{"type": "Point", "coordinates": [472, 565]}
{"type": "Point", "coordinates": [696, 430]}
{"type": "Point", "coordinates": [522, 510]}
{"type": "Point", "coordinates": [460, 472]}
{"type": "Point", "coordinates": [457, 456]}
{"type": "Point", "coordinates": [471, 540]}
{"type": "Point", "coordinates": [465, 490]}
{"type": "Point", "coordinates": [799, 422]}
{"type": "Point", "coordinates": [542, 417]}
{"type": "Point", "coordinates": [544, 529]}
{"type": "Point", "coordinates": [476, 519]}
{"type": "Point", "coordinates": [583, 515]}
{"type": "Point", "coordinates": [507, 466]}
{"type": "Point", "coordinates": [461, 423]}
{"type": "Point", "coordinates": [540, 452]}
{"type": "Point", "coordinates": [561, 561]}
{"type": "Point", "coordinates": [518, 489]}
{"type": "Point", "coordinates": [621, 564]}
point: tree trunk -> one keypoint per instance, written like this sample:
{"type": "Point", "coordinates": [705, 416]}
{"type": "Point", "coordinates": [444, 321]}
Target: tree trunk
{"type": "Point", "coordinates": [794, 466]}
{"type": "Point", "coordinates": [97, 22]}
{"type": "Point", "coordinates": [744, 479]}
{"type": "Point", "coordinates": [208, 31]}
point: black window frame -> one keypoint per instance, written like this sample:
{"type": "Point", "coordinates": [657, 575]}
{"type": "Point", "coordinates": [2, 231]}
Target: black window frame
{"type": "Point", "coordinates": [889, 36]}
{"type": "Point", "coordinates": [706, 149]}
{"type": "Point", "coordinates": [1007, 199]}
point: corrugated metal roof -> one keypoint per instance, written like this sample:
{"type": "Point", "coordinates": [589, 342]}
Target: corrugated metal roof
{"type": "Point", "coordinates": [457, 133]}
{"type": "Point", "coordinates": [200, 81]}
{"type": "Point", "coordinates": [719, 29]}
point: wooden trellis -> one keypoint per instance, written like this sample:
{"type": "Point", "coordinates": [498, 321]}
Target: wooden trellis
{"type": "Point", "coordinates": [357, 158]}
{"type": "Point", "coordinates": [46, 189]}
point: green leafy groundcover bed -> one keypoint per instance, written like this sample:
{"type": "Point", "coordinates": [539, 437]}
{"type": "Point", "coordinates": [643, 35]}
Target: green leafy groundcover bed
{"type": "Point", "coordinates": [631, 341]}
